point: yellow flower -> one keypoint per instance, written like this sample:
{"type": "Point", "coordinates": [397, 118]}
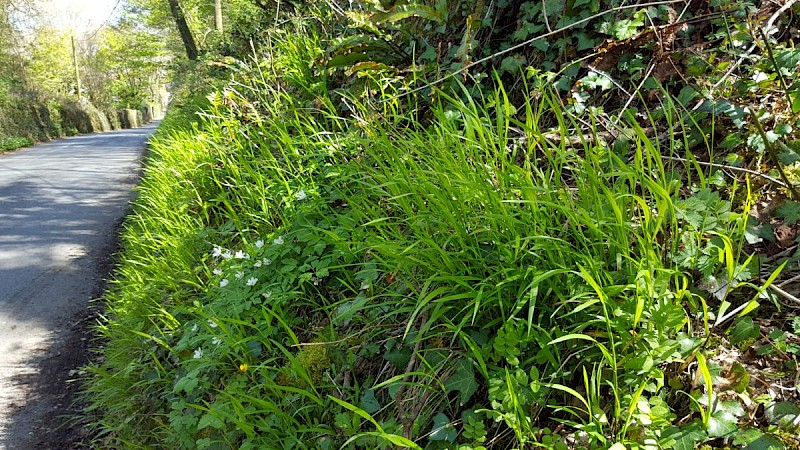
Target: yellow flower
{"type": "Point", "coordinates": [243, 367]}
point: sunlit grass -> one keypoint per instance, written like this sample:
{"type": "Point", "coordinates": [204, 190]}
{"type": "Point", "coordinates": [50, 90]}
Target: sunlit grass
{"type": "Point", "coordinates": [367, 278]}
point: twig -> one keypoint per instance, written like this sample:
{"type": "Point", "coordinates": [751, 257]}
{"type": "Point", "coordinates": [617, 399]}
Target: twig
{"type": "Point", "coordinates": [785, 294]}
{"type": "Point", "coordinates": [789, 281]}
{"type": "Point", "coordinates": [737, 169]}
{"type": "Point", "coordinates": [747, 53]}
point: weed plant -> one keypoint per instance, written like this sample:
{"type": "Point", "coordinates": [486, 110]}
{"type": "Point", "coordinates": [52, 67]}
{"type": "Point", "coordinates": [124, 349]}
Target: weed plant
{"type": "Point", "coordinates": [294, 277]}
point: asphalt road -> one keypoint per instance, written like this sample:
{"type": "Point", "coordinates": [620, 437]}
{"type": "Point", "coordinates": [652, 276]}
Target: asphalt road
{"type": "Point", "coordinates": [60, 206]}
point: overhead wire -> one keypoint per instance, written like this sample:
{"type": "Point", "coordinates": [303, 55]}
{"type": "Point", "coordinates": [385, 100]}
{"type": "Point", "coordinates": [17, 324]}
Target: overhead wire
{"type": "Point", "coordinates": [105, 22]}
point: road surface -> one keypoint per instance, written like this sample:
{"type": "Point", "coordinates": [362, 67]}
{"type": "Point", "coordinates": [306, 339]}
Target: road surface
{"type": "Point", "coordinates": [60, 205]}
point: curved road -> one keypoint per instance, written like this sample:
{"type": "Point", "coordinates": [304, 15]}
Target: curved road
{"type": "Point", "coordinates": [60, 205]}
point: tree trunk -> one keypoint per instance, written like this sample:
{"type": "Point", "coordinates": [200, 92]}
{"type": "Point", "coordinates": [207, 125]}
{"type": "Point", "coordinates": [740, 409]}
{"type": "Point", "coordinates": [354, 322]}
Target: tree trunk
{"type": "Point", "coordinates": [183, 29]}
{"type": "Point", "coordinates": [218, 15]}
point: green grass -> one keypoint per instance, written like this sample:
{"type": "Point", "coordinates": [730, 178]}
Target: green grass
{"type": "Point", "coordinates": [13, 143]}
{"type": "Point", "coordinates": [387, 277]}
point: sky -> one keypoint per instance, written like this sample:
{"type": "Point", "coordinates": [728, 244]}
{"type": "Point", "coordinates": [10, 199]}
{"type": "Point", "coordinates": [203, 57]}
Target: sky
{"type": "Point", "coordinates": [82, 15]}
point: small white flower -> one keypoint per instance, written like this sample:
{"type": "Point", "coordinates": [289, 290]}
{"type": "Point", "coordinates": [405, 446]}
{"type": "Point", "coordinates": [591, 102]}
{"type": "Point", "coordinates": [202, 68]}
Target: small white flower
{"type": "Point", "coordinates": [364, 285]}
{"type": "Point", "coordinates": [259, 243]}
{"type": "Point", "coordinates": [300, 195]}
{"type": "Point", "coordinates": [252, 281]}
{"type": "Point", "coordinates": [194, 328]}
{"type": "Point", "coordinates": [242, 255]}
{"type": "Point", "coordinates": [216, 340]}
{"type": "Point", "coordinates": [212, 324]}
{"type": "Point", "coordinates": [217, 272]}
{"type": "Point", "coordinates": [223, 282]}
{"type": "Point", "coordinates": [227, 254]}
{"type": "Point", "coordinates": [198, 353]}
{"type": "Point", "coordinates": [267, 261]}
{"type": "Point", "coordinates": [278, 240]}
{"type": "Point", "coordinates": [217, 251]}
{"type": "Point", "coordinates": [257, 263]}
{"type": "Point", "coordinates": [267, 294]}
{"type": "Point", "coordinates": [239, 275]}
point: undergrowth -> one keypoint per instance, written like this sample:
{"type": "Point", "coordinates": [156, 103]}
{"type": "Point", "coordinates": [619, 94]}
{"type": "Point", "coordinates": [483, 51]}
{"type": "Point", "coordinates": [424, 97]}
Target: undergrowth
{"type": "Point", "coordinates": [480, 274]}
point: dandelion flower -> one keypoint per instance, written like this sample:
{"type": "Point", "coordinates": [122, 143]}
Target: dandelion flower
{"type": "Point", "coordinates": [223, 282]}
{"type": "Point", "coordinates": [300, 195]}
{"type": "Point", "coordinates": [239, 275]}
{"type": "Point", "coordinates": [252, 281]}
{"type": "Point", "coordinates": [198, 353]}
{"type": "Point", "coordinates": [278, 240]}
{"type": "Point", "coordinates": [259, 243]}
{"type": "Point", "coordinates": [212, 324]}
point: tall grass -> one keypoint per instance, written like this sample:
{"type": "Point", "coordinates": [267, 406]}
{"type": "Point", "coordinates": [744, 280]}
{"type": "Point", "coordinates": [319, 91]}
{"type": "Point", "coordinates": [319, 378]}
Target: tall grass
{"type": "Point", "coordinates": [298, 277]}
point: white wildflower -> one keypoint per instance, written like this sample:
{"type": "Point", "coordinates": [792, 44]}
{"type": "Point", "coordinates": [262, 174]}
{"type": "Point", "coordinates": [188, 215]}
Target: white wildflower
{"type": "Point", "coordinates": [227, 254]}
{"type": "Point", "coordinates": [364, 285]}
{"type": "Point", "coordinates": [198, 353]}
{"type": "Point", "coordinates": [252, 281]}
{"type": "Point", "coordinates": [267, 294]}
{"type": "Point", "coordinates": [239, 275]}
{"type": "Point", "coordinates": [212, 324]}
{"type": "Point", "coordinates": [216, 340]}
{"type": "Point", "coordinates": [257, 263]}
{"type": "Point", "coordinates": [242, 255]}
{"type": "Point", "coordinates": [267, 261]}
{"type": "Point", "coordinates": [217, 251]}
{"type": "Point", "coordinates": [194, 328]}
{"type": "Point", "coordinates": [217, 271]}
{"type": "Point", "coordinates": [278, 240]}
{"type": "Point", "coordinates": [300, 195]}
{"type": "Point", "coordinates": [259, 243]}
{"type": "Point", "coordinates": [223, 282]}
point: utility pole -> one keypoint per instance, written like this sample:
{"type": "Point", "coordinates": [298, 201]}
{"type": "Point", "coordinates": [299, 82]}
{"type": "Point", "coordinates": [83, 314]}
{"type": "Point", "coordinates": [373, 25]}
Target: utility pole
{"type": "Point", "coordinates": [75, 63]}
{"type": "Point", "coordinates": [218, 15]}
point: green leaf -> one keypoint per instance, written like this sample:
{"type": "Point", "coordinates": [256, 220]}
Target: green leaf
{"type": "Point", "coordinates": [754, 439]}
{"type": "Point", "coordinates": [463, 381]}
{"type": "Point", "coordinates": [789, 211]}
{"type": "Point", "coordinates": [683, 438]}
{"type": "Point", "coordinates": [209, 420]}
{"type": "Point", "coordinates": [722, 423]}
{"type": "Point", "coordinates": [744, 329]}
{"type": "Point", "coordinates": [785, 414]}
{"type": "Point", "coordinates": [369, 403]}
{"type": "Point", "coordinates": [442, 430]}
{"type": "Point", "coordinates": [400, 12]}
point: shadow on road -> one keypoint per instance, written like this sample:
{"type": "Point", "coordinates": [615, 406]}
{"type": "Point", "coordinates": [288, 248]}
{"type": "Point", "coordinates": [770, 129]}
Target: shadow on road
{"type": "Point", "coordinates": [60, 207]}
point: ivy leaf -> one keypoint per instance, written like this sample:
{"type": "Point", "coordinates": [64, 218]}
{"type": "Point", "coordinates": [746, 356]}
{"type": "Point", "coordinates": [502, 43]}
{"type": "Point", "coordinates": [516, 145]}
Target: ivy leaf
{"type": "Point", "coordinates": [463, 381]}
{"type": "Point", "coordinates": [754, 439]}
{"type": "Point", "coordinates": [683, 438]}
{"type": "Point", "coordinates": [789, 211]}
{"type": "Point", "coordinates": [784, 414]}
{"type": "Point", "coordinates": [442, 430]}
{"type": "Point", "coordinates": [722, 423]}
{"type": "Point", "coordinates": [744, 329]}
{"type": "Point", "coordinates": [369, 403]}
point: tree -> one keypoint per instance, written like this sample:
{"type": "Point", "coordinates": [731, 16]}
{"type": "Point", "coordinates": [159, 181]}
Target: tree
{"type": "Point", "coordinates": [218, 16]}
{"type": "Point", "coordinates": [183, 29]}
